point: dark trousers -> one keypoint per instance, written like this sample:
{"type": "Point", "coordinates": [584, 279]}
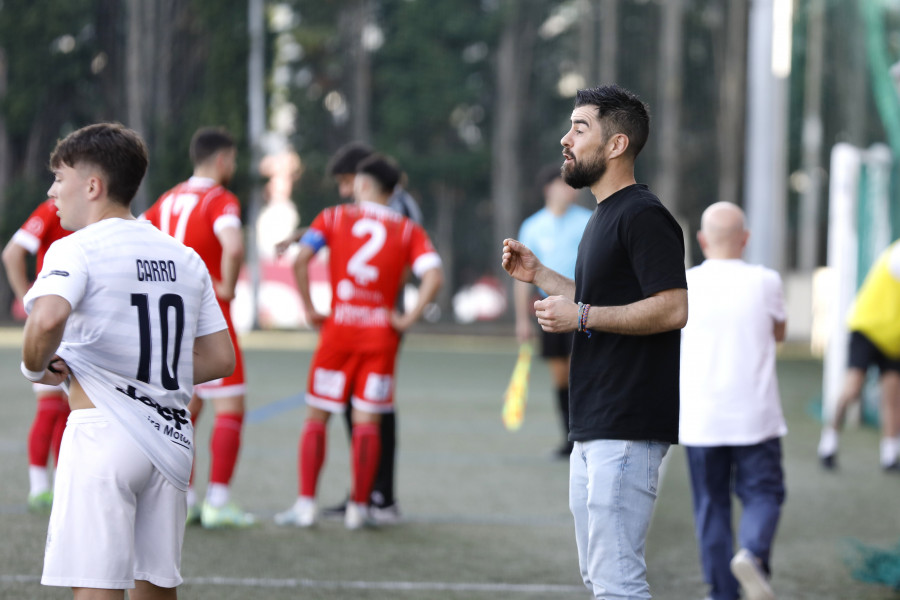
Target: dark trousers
{"type": "Point", "coordinates": [755, 475]}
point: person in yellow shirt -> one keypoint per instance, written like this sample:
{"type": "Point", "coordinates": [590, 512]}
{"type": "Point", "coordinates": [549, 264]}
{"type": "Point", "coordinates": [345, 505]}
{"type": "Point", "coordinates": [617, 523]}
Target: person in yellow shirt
{"type": "Point", "coordinates": [874, 325]}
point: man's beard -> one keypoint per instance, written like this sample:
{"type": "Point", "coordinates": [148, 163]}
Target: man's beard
{"type": "Point", "coordinates": [584, 173]}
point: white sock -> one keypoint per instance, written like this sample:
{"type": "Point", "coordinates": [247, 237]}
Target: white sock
{"type": "Point", "coordinates": [888, 451]}
{"type": "Point", "coordinates": [39, 481]}
{"type": "Point", "coordinates": [828, 443]}
{"type": "Point", "coordinates": [217, 495]}
{"type": "Point", "coordinates": [191, 497]}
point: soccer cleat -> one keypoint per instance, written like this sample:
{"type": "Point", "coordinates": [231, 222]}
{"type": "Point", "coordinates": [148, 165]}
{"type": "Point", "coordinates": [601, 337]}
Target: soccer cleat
{"type": "Point", "coordinates": [357, 516]}
{"type": "Point", "coordinates": [193, 515]}
{"type": "Point", "coordinates": [828, 462]}
{"type": "Point", "coordinates": [748, 572]}
{"type": "Point", "coordinates": [229, 515]}
{"type": "Point", "coordinates": [336, 511]}
{"type": "Point", "coordinates": [40, 503]}
{"type": "Point", "coordinates": [385, 515]}
{"type": "Point", "coordinates": [301, 514]}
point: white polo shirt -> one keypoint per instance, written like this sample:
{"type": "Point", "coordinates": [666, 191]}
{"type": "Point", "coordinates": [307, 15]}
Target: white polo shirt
{"type": "Point", "coordinates": [729, 387]}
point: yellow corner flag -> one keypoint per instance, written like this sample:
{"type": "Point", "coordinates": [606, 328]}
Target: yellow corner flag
{"type": "Point", "coordinates": [517, 392]}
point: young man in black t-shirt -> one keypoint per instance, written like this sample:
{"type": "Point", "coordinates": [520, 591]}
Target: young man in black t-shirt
{"type": "Point", "coordinates": [627, 303]}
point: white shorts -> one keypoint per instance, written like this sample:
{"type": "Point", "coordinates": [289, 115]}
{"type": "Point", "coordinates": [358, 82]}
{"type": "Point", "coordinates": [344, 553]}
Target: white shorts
{"type": "Point", "coordinates": [115, 517]}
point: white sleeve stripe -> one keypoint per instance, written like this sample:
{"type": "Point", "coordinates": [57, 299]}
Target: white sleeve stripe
{"type": "Point", "coordinates": [426, 262]}
{"type": "Point", "coordinates": [27, 241]}
{"type": "Point", "coordinates": [226, 221]}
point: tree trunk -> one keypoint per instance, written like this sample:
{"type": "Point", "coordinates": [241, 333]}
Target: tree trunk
{"type": "Point", "coordinates": [669, 106]}
{"type": "Point", "coordinates": [513, 56]}
{"type": "Point", "coordinates": [731, 111]}
{"type": "Point", "coordinates": [608, 16]}
{"type": "Point", "coordinates": [446, 198]}
{"type": "Point", "coordinates": [810, 200]}
{"type": "Point", "coordinates": [139, 75]}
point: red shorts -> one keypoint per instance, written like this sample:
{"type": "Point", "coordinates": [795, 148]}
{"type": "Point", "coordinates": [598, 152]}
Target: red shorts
{"type": "Point", "coordinates": [234, 384]}
{"type": "Point", "coordinates": [367, 378]}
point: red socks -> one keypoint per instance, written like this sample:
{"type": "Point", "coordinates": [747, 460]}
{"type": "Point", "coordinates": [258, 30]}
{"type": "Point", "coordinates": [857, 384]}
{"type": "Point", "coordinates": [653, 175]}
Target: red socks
{"type": "Point", "coordinates": [47, 429]}
{"type": "Point", "coordinates": [366, 454]}
{"type": "Point", "coordinates": [312, 456]}
{"type": "Point", "coordinates": [224, 445]}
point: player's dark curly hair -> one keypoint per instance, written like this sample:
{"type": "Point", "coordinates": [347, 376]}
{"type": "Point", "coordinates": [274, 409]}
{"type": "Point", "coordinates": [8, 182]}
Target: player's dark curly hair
{"type": "Point", "coordinates": [383, 169]}
{"type": "Point", "coordinates": [117, 151]}
{"type": "Point", "coordinates": [621, 112]}
{"type": "Point", "coordinates": [347, 158]}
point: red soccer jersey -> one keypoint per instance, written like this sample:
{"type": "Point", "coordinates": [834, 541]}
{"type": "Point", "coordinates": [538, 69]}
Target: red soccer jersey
{"type": "Point", "coordinates": [40, 230]}
{"type": "Point", "coordinates": [192, 212]}
{"type": "Point", "coordinates": [370, 247]}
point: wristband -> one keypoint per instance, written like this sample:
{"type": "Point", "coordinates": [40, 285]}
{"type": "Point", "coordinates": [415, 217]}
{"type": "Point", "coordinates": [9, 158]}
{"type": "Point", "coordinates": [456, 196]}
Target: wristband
{"type": "Point", "coordinates": [33, 376]}
{"type": "Point", "coordinates": [583, 318]}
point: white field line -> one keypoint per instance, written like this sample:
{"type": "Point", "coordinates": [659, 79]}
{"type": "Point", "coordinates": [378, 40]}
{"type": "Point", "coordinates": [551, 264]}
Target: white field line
{"type": "Point", "coordinates": [261, 582]}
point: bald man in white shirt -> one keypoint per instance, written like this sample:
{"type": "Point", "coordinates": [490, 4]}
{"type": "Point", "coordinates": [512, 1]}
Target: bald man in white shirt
{"type": "Point", "coordinates": [731, 421]}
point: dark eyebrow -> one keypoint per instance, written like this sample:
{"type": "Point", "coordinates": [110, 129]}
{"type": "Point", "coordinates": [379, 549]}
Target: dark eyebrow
{"type": "Point", "coordinates": [581, 122]}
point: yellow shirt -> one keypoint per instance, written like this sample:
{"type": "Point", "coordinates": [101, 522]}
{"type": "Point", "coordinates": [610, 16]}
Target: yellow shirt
{"type": "Point", "coordinates": [876, 310]}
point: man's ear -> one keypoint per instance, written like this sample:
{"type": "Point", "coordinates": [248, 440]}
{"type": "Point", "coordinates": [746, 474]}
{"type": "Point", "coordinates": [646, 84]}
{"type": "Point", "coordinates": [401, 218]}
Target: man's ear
{"type": "Point", "coordinates": [618, 144]}
{"type": "Point", "coordinates": [96, 187]}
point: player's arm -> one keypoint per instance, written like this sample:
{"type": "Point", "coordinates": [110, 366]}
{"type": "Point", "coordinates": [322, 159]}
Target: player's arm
{"type": "Point", "coordinates": [301, 274]}
{"type": "Point", "coordinates": [664, 311]}
{"type": "Point", "coordinates": [232, 240]}
{"type": "Point", "coordinates": [780, 330]}
{"type": "Point", "coordinates": [43, 333]}
{"type": "Point", "coordinates": [213, 356]}
{"type": "Point", "coordinates": [15, 262]}
{"type": "Point", "coordinates": [524, 313]}
{"type": "Point", "coordinates": [282, 246]}
{"type": "Point", "coordinates": [429, 285]}
{"type": "Point", "coordinates": [523, 265]}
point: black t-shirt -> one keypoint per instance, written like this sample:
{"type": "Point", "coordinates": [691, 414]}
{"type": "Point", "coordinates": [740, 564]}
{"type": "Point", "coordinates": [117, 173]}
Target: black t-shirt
{"type": "Point", "coordinates": [625, 387]}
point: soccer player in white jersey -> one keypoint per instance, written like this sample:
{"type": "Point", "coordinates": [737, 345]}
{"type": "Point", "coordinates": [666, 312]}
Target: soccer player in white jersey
{"type": "Point", "coordinates": [126, 318]}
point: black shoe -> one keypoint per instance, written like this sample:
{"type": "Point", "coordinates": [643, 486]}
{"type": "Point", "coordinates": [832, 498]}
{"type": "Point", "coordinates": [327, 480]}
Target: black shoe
{"type": "Point", "coordinates": [334, 512]}
{"type": "Point", "coordinates": [894, 467]}
{"type": "Point", "coordinates": [829, 462]}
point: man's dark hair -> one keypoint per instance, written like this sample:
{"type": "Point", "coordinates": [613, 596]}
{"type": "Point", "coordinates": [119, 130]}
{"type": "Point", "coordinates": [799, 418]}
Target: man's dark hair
{"type": "Point", "coordinates": [346, 160]}
{"type": "Point", "coordinates": [207, 141]}
{"type": "Point", "coordinates": [547, 175]}
{"type": "Point", "coordinates": [383, 169]}
{"type": "Point", "coordinates": [117, 151]}
{"type": "Point", "coordinates": [621, 112]}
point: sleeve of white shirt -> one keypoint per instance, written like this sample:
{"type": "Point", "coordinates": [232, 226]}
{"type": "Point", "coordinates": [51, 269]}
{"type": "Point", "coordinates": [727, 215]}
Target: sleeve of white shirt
{"type": "Point", "coordinates": [64, 274]}
{"type": "Point", "coordinates": [774, 296]}
{"type": "Point", "coordinates": [894, 261]}
{"type": "Point", "coordinates": [211, 319]}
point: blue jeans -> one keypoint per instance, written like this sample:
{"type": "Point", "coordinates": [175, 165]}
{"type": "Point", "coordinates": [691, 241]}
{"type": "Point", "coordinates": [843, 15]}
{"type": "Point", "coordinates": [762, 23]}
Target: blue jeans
{"type": "Point", "coordinates": [612, 489]}
{"type": "Point", "coordinates": [754, 473]}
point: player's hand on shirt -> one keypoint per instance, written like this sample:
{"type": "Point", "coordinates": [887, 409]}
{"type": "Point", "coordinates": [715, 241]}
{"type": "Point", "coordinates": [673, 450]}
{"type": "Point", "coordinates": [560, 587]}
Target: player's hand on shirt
{"type": "Point", "coordinates": [57, 372]}
{"type": "Point", "coordinates": [519, 261]}
{"type": "Point", "coordinates": [556, 314]}
{"type": "Point", "coordinates": [223, 292]}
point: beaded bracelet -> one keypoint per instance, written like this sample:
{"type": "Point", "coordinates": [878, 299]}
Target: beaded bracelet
{"type": "Point", "coordinates": [583, 318]}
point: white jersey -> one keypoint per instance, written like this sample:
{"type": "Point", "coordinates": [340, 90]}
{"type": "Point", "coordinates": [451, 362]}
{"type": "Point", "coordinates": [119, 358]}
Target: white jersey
{"type": "Point", "coordinates": [729, 386]}
{"type": "Point", "coordinates": [139, 299]}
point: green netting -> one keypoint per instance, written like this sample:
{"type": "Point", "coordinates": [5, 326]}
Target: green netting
{"type": "Point", "coordinates": [871, 564]}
